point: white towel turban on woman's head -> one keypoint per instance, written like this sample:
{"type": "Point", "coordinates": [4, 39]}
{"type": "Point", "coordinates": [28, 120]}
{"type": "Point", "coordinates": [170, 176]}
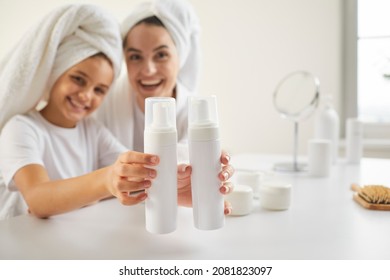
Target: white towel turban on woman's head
{"type": "Point", "coordinates": [182, 23]}
{"type": "Point", "coordinates": [64, 38]}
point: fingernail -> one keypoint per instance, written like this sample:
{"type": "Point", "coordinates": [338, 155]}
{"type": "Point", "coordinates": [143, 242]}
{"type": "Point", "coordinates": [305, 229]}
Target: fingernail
{"type": "Point", "coordinates": [224, 189]}
{"type": "Point", "coordinates": [227, 157]}
{"type": "Point", "coordinates": [152, 173]}
{"type": "Point", "coordinates": [227, 211]}
{"type": "Point", "coordinates": [184, 168]}
{"type": "Point", "coordinates": [147, 184]}
{"type": "Point", "coordinates": [225, 175]}
{"type": "Point", "coordinates": [227, 189]}
{"type": "Point", "coordinates": [154, 160]}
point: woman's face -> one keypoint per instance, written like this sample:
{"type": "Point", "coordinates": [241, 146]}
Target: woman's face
{"type": "Point", "coordinates": [79, 91]}
{"type": "Point", "coordinates": [152, 62]}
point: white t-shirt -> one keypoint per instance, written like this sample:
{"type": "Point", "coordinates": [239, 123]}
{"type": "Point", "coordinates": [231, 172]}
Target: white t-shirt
{"type": "Point", "coordinates": [64, 152]}
{"type": "Point", "coordinates": [139, 127]}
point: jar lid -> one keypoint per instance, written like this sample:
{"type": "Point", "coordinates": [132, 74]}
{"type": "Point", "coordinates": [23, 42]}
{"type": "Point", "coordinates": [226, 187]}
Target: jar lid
{"type": "Point", "coordinates": [275, 187]}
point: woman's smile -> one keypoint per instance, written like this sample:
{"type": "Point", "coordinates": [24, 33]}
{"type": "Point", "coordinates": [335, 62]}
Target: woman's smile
{"type": "Point", "coordinates": [150, 85]}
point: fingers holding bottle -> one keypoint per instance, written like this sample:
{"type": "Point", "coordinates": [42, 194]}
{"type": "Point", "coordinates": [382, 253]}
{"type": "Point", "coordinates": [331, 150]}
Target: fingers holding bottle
{"type": "Point", "coordinates": [226, 173]}
{"type": "Point", "coordinates": [130, 175]}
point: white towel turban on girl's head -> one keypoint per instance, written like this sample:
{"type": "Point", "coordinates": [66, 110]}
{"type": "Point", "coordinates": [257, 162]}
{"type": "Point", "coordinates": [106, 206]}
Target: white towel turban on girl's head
{"type": "Point", "coordinates": [65, 37]}
{"type": "Point", "coordinates": [182, 23]}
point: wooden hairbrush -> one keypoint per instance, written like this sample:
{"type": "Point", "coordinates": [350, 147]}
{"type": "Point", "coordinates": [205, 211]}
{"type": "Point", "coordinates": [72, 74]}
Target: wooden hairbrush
{"type": "Point", "coordinates": [374, 197]}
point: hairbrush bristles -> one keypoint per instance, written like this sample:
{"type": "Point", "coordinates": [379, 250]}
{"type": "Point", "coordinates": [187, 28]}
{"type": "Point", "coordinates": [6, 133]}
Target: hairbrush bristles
{"type": "Point", "coordinates": [377, 194]}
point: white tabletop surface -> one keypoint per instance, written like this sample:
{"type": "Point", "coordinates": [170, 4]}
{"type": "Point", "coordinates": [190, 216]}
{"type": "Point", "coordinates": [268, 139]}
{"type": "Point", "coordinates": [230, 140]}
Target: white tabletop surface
{"type": "Point", "coordinates": [323, 222]}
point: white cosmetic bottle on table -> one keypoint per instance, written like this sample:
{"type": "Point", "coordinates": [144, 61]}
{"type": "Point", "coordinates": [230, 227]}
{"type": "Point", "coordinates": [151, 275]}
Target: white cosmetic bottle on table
{"type": "Point", "coordinates": [205, 153]}
{"type": "Point", "coordinates": [354, 140]}
{"type": "Point", "coordinates": [160, 138]}
{"type": "Point", "coordinates": [327, 126]}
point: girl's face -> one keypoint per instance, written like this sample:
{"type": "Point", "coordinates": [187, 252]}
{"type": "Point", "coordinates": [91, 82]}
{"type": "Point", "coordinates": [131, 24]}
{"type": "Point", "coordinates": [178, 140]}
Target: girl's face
{"type": "Point", "coordinates": [152, 62]}
{"type": "Point", "coordinates": [79, 91]}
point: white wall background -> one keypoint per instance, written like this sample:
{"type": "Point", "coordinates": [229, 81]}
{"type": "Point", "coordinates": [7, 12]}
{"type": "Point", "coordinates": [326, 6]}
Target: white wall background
{"type": "Point", "coordinates": [248, 46]}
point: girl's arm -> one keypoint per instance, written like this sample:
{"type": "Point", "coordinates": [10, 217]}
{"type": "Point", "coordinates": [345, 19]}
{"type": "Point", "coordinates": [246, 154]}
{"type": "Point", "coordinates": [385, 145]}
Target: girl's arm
{"type": "Point", "coordinates": [46, 198]}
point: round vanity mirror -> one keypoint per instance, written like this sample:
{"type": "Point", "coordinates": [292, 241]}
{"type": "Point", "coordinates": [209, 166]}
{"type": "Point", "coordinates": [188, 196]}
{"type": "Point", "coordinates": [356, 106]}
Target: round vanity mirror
{"type": "Point", "coordinates": [296, 97]}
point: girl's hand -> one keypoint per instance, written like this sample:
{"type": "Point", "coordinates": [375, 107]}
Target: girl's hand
{"type": "Point", "coordinates": [128, 177]}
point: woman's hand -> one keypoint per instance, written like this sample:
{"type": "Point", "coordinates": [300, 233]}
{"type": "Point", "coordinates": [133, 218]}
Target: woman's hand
{"type": "Point", "coordinates": [184, 182]}
{"type": "Point", "coordinates": [128, 177]}
{"type": "Point", "coordinates": [184, 185]}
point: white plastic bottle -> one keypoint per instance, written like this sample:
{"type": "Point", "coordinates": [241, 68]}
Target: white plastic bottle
{"type": "Point", "coordinates": [327, 126]}
{"type": "Point", "coordinates": [354, 141]}
{"type": "Point", "coordinates": [205, 153]}
{"type": "Point", "coordinates": [160, 138]}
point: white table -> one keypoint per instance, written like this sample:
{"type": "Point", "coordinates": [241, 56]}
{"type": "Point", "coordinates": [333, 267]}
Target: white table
{"type": "Point", "coordinates": [323, 222]}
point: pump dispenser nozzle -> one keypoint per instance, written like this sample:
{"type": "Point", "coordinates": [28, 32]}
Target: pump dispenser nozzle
{"type": "Point", "coordinates": [201, 111]}
{"type": "Point", "coordinates": [160, 115]}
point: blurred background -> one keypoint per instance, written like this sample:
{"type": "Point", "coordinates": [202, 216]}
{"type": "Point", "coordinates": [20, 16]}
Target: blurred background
{"type": "Point", "coordinates": [248, 46]}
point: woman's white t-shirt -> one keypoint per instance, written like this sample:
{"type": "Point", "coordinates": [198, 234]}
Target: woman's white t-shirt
{"type": "Point", "coordinates": [64, 152]}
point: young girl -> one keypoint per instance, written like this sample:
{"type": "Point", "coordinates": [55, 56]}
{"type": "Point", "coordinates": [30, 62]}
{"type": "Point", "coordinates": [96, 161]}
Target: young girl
{"type": "Point", "coordinates": [56, 157]}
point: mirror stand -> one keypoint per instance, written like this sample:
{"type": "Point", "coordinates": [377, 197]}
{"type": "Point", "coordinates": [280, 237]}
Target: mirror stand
{"type": "Point", "coordinates": [296, 98]}
{"type": "Point", "coordinates": [292, 166]}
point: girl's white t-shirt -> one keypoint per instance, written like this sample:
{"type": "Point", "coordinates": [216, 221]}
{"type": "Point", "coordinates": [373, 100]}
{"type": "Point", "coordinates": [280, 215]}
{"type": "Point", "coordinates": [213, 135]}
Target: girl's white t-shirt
{"type": "Point", "coordinates": [64, 152]}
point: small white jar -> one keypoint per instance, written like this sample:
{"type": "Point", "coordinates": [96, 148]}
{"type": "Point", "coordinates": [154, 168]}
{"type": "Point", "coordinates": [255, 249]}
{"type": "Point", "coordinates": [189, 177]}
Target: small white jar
{"type": "Point", "coordinates": [249, 178]}
{"type": "Point", "coordinates": [275, 195]}
{"type": "Point", "coordinates": [241, 200]}
{"type": "Point", "coordinates": [320, 157]}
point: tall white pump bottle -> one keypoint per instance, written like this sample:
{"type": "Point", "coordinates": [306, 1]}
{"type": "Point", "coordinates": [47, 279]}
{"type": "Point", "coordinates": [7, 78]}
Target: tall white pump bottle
{"type": "Point", "coordinates": [327, 126]}
{"type": "Point", "coordinates": [205, 153]}
{"type": "Point", "coordinates": [160, 138]}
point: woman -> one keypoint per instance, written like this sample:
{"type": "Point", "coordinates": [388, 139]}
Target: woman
{"type": "Point", "coordinates": [161, 51]}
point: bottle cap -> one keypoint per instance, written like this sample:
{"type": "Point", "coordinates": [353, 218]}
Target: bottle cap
{"type": "Point", "coordinates": [202, 111]}
{"type": "Point", "coordinates": [160, 114]}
